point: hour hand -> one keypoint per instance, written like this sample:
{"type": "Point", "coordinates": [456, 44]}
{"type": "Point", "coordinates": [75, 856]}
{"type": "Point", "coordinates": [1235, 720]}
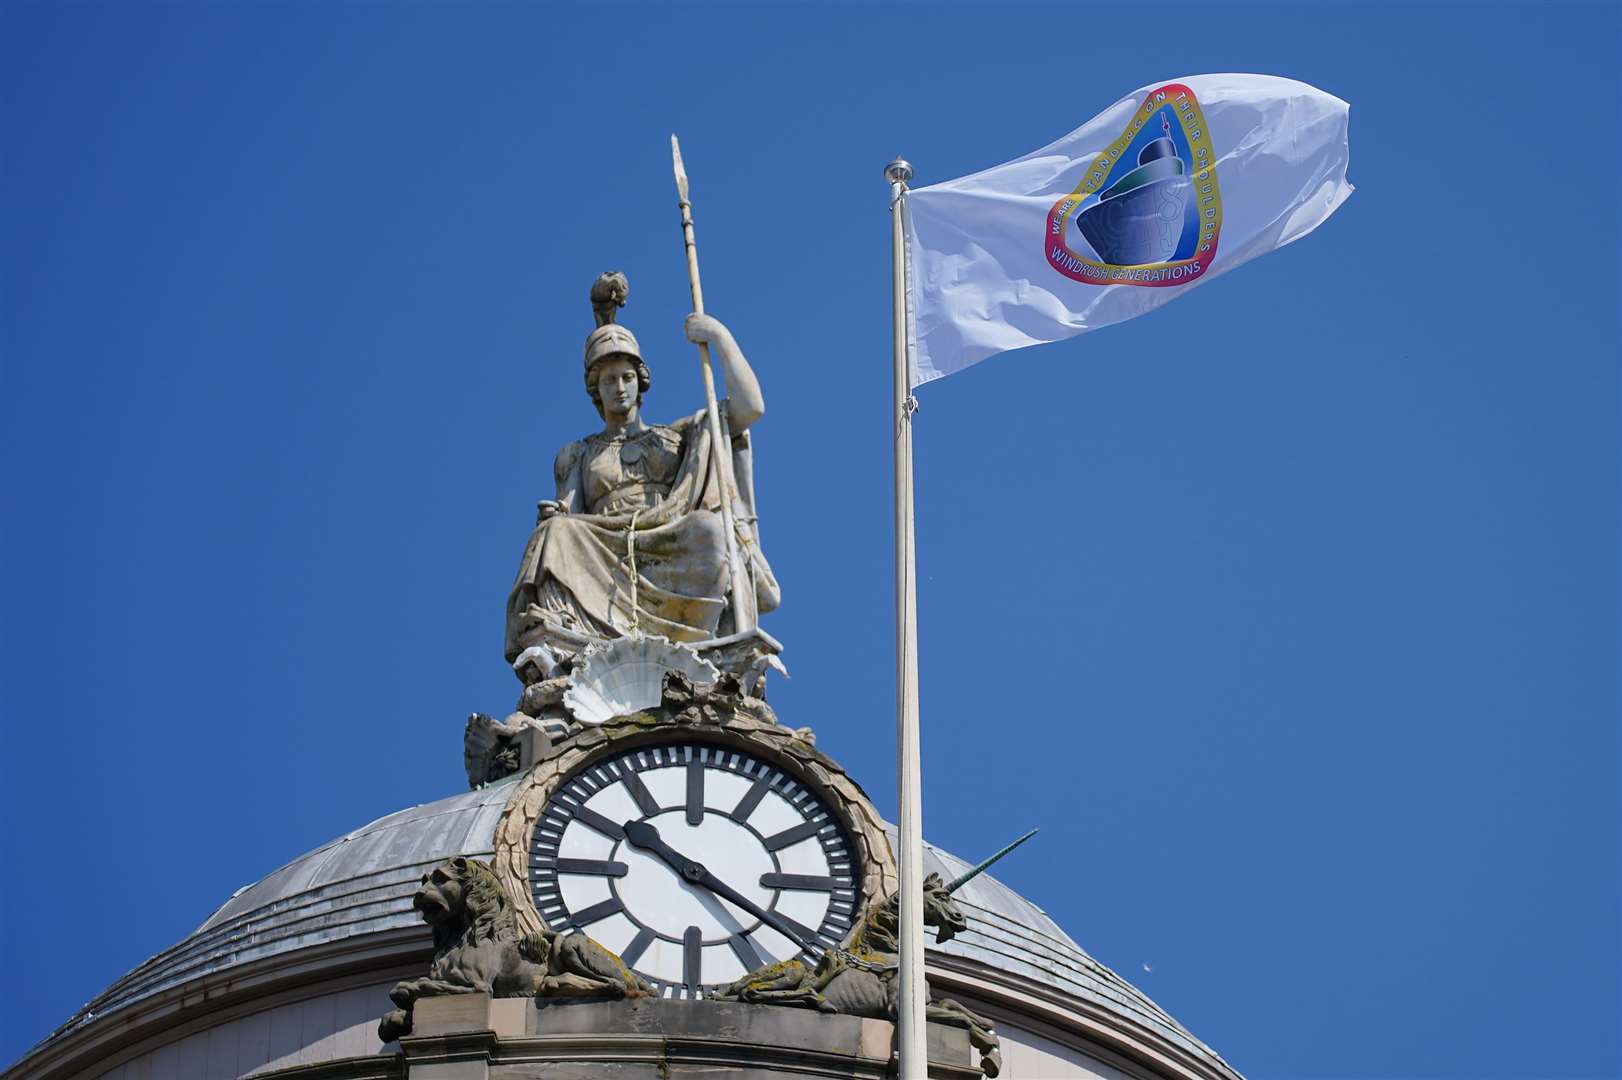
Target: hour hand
{"type": "Point", "coordinates": [645, 835]}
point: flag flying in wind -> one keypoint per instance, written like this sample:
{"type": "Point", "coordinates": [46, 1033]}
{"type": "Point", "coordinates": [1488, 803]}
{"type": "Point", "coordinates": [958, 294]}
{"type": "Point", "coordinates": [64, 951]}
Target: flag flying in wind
{"type": "Point", "coordinates": [1170, 186]}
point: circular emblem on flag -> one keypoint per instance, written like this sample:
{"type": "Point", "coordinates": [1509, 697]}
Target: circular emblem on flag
{"type": "Point", "coordinates": [1149, 211]}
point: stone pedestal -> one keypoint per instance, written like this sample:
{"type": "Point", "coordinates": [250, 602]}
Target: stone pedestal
{"type": "Point", "coordinates": [471, 1037]}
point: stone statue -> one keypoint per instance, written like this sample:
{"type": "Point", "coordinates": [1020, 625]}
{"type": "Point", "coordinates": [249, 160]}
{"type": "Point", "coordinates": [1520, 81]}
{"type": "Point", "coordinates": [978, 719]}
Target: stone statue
{"type": "Point", "coordinates": [863, 980]}
{"type": "Point", "coordinates": [633, 541]}
{"type": "Point", "coordinates": [479, 948]}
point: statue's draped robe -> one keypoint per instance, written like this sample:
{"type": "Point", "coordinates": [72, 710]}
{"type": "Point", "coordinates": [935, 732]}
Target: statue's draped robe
{"type": "Point", "coordinates": [575, 572]}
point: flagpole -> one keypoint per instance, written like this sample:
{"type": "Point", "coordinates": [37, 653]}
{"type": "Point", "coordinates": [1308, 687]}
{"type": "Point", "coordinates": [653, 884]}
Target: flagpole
{"type": "Point", "coordinates": [911, 1044]}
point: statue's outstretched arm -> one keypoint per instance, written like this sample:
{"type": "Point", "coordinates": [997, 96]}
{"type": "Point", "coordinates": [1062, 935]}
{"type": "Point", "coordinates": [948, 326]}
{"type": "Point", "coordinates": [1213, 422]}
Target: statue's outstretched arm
{"type": "Point", "coordinates": [745, 404]}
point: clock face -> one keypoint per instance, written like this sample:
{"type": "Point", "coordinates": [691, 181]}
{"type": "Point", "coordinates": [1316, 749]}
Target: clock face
{"type": "Point", "coordinates": [702, 820]}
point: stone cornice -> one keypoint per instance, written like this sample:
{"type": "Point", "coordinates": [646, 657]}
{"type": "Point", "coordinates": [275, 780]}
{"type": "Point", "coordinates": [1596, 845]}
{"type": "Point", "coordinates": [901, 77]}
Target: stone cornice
{"type": "Point", "coordinates": [102, 1044]}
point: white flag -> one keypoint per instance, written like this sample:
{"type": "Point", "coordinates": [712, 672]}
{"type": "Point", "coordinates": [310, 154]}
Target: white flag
{"type": "Point", "coordinates": [1168, 187]}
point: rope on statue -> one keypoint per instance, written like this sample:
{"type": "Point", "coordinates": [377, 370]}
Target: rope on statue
{"type": "Point", "coordinates": [630, 553]}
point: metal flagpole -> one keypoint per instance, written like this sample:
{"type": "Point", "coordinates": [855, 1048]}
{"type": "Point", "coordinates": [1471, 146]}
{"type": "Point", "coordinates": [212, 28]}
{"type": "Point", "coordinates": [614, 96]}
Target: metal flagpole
{"type": "Point", "coordinates": [910, 1030]}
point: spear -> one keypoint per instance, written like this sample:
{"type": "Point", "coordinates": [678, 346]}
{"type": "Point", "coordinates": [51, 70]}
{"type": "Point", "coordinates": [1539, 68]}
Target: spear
{"type": "Point", "coordinates": [743, 614]}
{"type": "Point", "coordinates": [984, 864]}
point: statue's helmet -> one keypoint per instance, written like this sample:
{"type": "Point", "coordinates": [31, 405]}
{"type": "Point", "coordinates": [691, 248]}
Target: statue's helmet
{"type": "Point", "coordinates": [610, 340]}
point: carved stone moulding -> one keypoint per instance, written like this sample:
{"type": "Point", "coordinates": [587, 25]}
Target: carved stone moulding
{"type": "Point", "coordinates": [493, 749]}
{"type": "Point", "coordinates": [650, 1037]}
{"type": "Point", "coordinates": [550, 651]}
{"type": "Point", "coordinates": [571, 681]}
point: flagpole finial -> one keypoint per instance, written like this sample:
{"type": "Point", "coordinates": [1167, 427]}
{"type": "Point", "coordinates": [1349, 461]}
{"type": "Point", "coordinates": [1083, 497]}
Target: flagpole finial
{"type": "Point", "coordinates": [898, 171]}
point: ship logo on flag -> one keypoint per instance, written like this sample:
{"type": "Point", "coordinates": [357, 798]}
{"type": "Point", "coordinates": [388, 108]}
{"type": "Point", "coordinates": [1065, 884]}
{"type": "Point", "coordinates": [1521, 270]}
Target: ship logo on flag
{"type": "Point", "coordinates": [1148, 212]}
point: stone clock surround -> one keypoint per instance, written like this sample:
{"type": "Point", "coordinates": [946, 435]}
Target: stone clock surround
{"type": "Point", "coordinates": [757, 830]}
{"type": "Point", "coordinates": [746, 728]}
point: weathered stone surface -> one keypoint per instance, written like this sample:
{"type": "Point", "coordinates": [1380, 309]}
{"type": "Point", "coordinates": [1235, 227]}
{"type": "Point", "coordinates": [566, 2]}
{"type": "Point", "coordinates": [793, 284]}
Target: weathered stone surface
{"type": "Point", "coordinates": [656, 1038]}
{"type": "Point", "coordinates": [480, 949]}
{"type": "Point", "coordinates": [471, 1012]}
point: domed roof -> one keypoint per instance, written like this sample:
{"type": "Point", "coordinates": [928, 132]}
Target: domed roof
{"type": "Point", "coordinates": [362, 884]}
{"type": "Point", "coordinates": [1013, 935]}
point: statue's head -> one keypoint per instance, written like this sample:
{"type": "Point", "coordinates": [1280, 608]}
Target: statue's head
{"type": "Point", "coordinates": [941, 911]}
{"type": "Point", "coordinates": [460, 893]}
{"type": "Point", "coordinates": [611, 349]}
{"type": "Point", "coordinates": [882, 927]}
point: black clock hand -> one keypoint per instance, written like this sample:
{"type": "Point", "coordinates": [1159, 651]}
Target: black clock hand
{"type": "Point", "coordinates": [645, 835]}
{"type": "Point", "coordinates": [770, 918]}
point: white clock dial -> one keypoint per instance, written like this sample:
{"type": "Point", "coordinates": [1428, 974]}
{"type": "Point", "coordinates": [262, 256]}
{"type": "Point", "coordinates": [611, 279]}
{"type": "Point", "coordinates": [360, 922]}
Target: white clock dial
{"type": "Point", "coordinates": [730, 863]}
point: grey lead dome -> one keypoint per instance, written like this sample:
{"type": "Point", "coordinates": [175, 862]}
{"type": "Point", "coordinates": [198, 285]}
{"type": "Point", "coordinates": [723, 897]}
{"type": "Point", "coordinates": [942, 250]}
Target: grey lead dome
{"type": "Point", "coordinates": [357, 890]}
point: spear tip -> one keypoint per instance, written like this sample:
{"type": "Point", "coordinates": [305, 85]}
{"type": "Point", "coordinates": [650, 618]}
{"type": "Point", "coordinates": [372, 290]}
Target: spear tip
{"type": "Point", "coordinates": [681, 172]}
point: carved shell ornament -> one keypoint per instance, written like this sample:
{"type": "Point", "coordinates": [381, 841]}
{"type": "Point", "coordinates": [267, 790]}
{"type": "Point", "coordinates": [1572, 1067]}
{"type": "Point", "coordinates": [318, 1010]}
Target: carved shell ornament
{"type": "Point", "coordinates": [626, 675]}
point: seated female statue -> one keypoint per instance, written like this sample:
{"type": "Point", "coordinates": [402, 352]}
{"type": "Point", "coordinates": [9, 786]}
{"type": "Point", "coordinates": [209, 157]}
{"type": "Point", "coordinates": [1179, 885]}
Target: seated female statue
{"type": "Point", "coordinates": [634, 541]}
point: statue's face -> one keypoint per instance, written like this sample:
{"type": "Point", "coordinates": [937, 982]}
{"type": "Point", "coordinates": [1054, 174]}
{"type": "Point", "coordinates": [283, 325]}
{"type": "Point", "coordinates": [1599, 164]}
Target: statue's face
{"type": "Point", "coordinates": [440, 895]}
{"type": "Point", "coordinates": [941, 911]}
{"type": "Point", "coordinates": [617, 387]}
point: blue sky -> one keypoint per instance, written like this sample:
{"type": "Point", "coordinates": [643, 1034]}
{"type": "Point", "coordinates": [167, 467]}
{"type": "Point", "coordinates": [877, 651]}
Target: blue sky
{"type": "Point", "coordinates": [1289, 612]}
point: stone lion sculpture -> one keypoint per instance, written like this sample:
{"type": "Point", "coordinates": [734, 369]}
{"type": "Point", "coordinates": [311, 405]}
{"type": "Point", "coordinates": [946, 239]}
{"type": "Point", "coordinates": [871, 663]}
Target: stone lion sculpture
{"type": "Point", "coordinates": [479, 948]}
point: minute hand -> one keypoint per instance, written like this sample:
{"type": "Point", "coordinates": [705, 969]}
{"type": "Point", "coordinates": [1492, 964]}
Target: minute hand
{"type": "Point", "coordinates": [770, 918]}
{"type": "Point", "coordinates": [644, 835]}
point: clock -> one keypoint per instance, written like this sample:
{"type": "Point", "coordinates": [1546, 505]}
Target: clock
{"type": "Point", "coordinates": [695, 862]}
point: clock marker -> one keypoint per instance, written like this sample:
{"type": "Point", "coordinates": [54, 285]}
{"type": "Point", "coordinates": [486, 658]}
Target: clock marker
{"type": "Point", "coordinates": [692, 958]}
{"type": "Point", "coordinates": [793, 836]}
{"type": "Point", "coordinates": [747, 954]}
{"type": "Point", "coordinates": [695, 792]}
{"type": "Point", "coordinates": [751, 799]}
{"type": "Point", "coordinates": [807, 882]}
{"type": "Point", "coordinates": [600, 823]}
{"type": "Point", "coordinates": [600, 867]}
{"type": "Point", "coordinates": [639, 945]}
{"type": "Point", "coordinates": [639, 792]}
{"type": "Point", "coordinates": [596, 912]}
